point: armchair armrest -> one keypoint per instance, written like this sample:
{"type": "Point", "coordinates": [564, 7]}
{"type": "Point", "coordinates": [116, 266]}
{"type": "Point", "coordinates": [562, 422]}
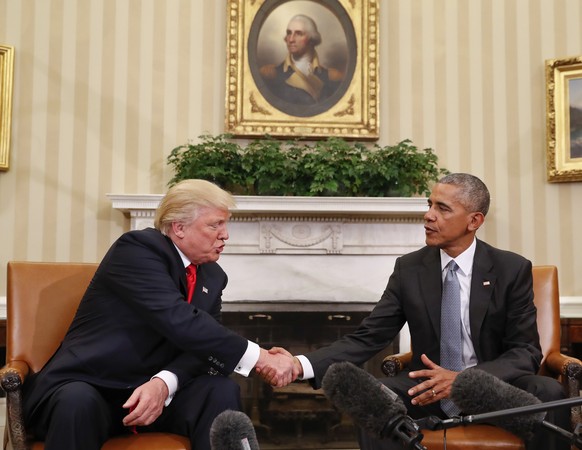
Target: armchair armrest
{"type": "Point", "coordinates": [570, 371]}
{"type": "Point", "coordinates": [12, 376]}
{"type": "Point", "coordinates": [565, 366]}
{"type": "Point", "coordinates": [392, 364]}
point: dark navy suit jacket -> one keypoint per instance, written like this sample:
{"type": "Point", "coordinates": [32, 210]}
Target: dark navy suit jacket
{"type": "Point", "coordinates": [133, 322]}
{"type": "Point", "coordinates": [502, 315]}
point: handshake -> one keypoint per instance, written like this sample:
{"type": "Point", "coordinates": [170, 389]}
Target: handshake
{"type": "Point", "coordinates": [278, 367]}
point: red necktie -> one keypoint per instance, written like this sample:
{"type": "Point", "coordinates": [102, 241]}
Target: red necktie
{"type": "Point", "coordinates": [191, 279]}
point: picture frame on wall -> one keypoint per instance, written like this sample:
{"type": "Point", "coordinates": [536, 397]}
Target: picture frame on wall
{"type": "Point", "coordinates": [302, 68]}
{"type": "Point", "coordinates": [6, 80]}
{"type": "Point", "coordinates": [564, 119]}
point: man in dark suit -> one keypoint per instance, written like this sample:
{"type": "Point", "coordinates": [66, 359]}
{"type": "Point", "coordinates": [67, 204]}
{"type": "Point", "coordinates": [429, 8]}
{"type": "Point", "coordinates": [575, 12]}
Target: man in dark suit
{"type": "Point", "coordinates": [496, 321]}
{"type": "Point", "coordinates": [145, 351]}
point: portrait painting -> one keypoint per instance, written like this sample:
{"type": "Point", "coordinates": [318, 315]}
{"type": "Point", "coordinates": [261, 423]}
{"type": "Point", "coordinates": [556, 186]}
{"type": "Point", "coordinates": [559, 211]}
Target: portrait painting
{"type": "Point", "coordinates": [302, 55]}
{"type": "Point", "coordinates": [305, 68]}
{"type": "Point", "coordinates": [564, 119]}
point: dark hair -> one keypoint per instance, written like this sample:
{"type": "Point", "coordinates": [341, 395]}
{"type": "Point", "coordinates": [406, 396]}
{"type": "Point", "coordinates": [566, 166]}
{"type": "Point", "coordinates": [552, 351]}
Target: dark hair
{"type": "Point", "coordinates": [474, 195]}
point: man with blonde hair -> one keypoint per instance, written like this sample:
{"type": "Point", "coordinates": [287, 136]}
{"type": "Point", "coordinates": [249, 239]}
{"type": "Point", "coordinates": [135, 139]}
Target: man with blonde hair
{"type": "Point", "coordinates": [146, 351]}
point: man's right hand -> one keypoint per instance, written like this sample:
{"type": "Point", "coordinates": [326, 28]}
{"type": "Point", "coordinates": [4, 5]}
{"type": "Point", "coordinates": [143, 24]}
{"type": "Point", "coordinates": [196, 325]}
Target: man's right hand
{"type": "Point", "coordinates": [277, 367]}
{"type": "Point", "coordinates": [146, 403]}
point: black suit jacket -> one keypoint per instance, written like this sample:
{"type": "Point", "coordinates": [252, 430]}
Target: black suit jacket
{"type": "Point", "coordinates": [133, 322]}
{"type": "Point", "coordinates": [502, 315]}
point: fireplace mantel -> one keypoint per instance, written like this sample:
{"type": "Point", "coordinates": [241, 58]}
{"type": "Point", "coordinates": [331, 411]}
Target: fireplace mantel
{"type": "Point", "coordinates": [137, 206]}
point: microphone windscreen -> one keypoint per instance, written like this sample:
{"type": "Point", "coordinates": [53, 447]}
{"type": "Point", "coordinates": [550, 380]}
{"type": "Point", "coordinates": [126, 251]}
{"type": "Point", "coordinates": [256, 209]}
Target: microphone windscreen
{"type": "Point", "coordinates": [475, 391]}
{"type": "Point", "coordinates": [233, 430]}
{"type": "Point", "coordinates": [367, 401]}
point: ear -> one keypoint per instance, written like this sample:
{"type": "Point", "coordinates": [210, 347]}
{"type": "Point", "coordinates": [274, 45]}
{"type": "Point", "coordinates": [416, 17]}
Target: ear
{"type": "Point", "coordinates": [178, 229]}
{"type": "Point", "coordinates": [476, 220]}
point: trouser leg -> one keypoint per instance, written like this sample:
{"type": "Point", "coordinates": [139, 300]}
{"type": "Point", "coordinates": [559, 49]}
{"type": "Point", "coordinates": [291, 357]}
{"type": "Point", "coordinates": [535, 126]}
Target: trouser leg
{"type": "Point", "coordinates": [547, 389]}
{"type": "Point", "coordinates": [195, 407]}
{"type": "Point", "coordinates": [76, 416]}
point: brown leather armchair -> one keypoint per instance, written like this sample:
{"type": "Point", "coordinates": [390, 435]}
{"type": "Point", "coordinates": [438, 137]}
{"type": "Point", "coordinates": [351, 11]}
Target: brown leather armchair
{"type": "Point", "coordinates": [568, 370]}
{"type": "Point", "coordinates": [41, 301]}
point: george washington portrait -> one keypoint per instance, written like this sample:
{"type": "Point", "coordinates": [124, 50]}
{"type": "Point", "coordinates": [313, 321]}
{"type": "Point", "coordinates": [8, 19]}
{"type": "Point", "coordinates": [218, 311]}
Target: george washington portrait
{"type": "Point", "coordinates": [302, 54]}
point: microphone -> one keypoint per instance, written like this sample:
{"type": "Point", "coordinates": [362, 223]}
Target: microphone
{"type": "Point", "coordinates": [477, 392]}
{"type": "Point", "coordinates": [233, 430]}
{"type": "Point", "coordinates": [373, 406]}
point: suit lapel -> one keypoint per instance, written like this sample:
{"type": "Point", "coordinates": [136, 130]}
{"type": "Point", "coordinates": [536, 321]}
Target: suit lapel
{"type": "Point", "coordinates": [177, 269]}
{"type": "Point", "coordinates": [200, 291]}
{"type": "Point", "coordinates": [483, 283]}
{"type": "Point", "coordinates": [206, 290]}
{"type": "Point", "coordinates": [430, 281]}
{"type": "Point", "coordinates": [183, 283]}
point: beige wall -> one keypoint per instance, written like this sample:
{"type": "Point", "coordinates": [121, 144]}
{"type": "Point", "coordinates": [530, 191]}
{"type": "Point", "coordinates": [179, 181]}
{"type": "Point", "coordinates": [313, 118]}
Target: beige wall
{"type": "Point", "coordinates": [104, 89]}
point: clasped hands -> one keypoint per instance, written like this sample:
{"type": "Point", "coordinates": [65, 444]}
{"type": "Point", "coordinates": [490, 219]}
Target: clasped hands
{"type": "Point", "coordinates": [278, 367]}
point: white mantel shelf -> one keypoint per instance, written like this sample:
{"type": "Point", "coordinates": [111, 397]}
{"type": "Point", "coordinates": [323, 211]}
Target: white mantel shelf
{"type": "Point", "coordinates": [273, 205]}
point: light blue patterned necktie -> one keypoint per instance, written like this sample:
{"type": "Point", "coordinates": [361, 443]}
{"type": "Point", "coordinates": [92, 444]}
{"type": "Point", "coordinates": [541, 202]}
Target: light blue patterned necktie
{"type": "Point", "coordinates": [451, 336]}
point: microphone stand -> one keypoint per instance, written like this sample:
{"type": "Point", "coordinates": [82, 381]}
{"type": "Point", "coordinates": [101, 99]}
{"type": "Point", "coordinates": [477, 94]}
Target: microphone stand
{"type": "Point", "coordinates": [405, 430]}
{"type": "Point", "coordinates": [436, 423]}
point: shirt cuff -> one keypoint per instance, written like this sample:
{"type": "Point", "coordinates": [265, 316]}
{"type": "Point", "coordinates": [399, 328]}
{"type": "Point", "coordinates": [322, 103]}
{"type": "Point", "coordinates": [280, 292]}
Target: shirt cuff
{"type": "Point", "coordinates": [308, 372]}
{"type": "Point", "coordinates": [171, 381]}
{"type": "Point", "coordinates": [248, 360]}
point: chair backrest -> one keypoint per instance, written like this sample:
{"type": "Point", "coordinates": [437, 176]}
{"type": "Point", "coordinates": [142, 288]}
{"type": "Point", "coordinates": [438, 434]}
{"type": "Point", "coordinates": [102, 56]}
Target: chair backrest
{"type": "Point", "coordinates": [41, 301]}
{"type": "Point", "coordinates": [547, 301]}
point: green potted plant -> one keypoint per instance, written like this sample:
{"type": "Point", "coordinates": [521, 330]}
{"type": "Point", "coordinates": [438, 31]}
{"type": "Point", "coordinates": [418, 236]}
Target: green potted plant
{"type": "Point", "coordinates": [332, 167]}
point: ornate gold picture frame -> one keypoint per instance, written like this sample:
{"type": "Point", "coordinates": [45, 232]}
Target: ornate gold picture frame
{"type": "Point", "coordinates": [564, 119]}
{"type": "Point", "coordinates": [333, 94]}
{"type": "Point", "coordinates": [6, 74]}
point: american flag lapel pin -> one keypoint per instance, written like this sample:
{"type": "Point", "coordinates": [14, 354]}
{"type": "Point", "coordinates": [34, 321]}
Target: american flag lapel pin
{"type": "Point", "coordinates": [205, 289]}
